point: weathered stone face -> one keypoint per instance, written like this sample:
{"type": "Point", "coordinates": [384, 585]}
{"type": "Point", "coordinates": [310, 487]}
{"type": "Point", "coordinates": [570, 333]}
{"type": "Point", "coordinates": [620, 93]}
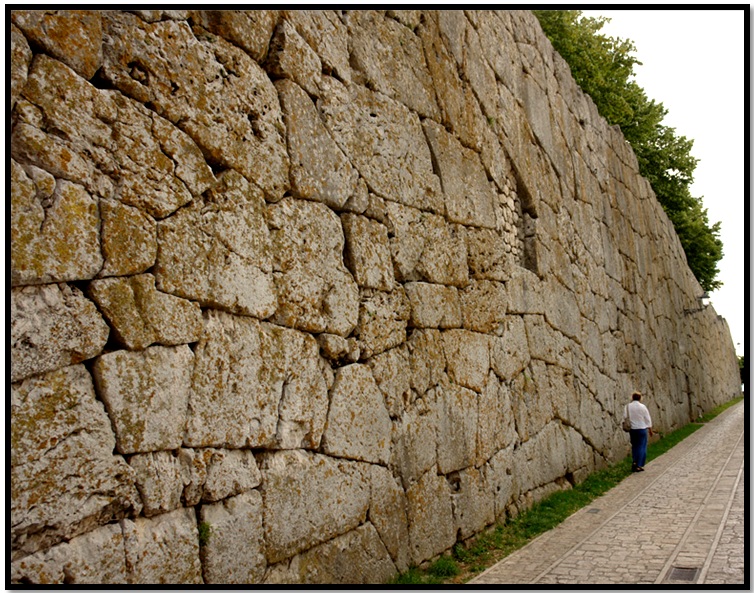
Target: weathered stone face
{"type": "Point", "coordinates": [335, 323]}
{"type": "Point", "coordinates": [65, 480]}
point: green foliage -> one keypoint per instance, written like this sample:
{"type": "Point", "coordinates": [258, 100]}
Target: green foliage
{"type": "Point", "coordinates": [604, 67]}
{"type": "Point", "coordinates": [444, 567]}
{"type": "Point", "coordinates": [205, 531]}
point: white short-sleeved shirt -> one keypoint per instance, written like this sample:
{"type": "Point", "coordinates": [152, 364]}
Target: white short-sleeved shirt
{"type": "Point", "coordinates": [639, 415]}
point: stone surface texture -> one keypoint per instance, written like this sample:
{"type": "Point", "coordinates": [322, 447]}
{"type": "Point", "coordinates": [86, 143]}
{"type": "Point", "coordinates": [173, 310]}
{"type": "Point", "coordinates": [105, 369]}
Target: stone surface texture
{"type": "Point", "coordinates": [309, 296]}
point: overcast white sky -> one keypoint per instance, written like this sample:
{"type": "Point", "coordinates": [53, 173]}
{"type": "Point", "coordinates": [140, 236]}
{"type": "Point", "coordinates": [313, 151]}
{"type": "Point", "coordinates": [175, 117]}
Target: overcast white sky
{"type": "Point", "coordinates": [693, 63]}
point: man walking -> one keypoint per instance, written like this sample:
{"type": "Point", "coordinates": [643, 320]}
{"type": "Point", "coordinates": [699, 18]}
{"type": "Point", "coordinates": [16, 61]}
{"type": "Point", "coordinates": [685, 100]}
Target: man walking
{"type": "Point", "coordinates": [641, 430]}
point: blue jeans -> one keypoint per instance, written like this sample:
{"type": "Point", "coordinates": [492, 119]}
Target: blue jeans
{"type": "Point", "coordinates": [639, 439]}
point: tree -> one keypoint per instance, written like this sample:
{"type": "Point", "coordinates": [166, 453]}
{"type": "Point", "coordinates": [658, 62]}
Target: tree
{"type": "Point", "coordinates": [604, 67]}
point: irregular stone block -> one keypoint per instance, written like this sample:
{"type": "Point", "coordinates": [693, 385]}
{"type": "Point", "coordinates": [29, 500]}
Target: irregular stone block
{"type": "Point", "coordinates": [54, 240]}
{"type": "Point", "coordinates": [457, 428]}
{"type": "Point", "coordinates": [385, 142]}
{"type": "Point", "coordinates": [95, 558]}
{"type": "Point", "coordinates": [129, 239]}
{"type": "Point", "coordinates": [219, 96]}
{"type": "Point", "coordinates": [431, 528]}
{"type": "Point", "coordinates": [386, 56]}
{"type": "Point", "coordinates": [337, 348]}
{"type": "Point", "coordinates": [20, 58]}
{"type": "Point", "coordinates": [383, 317]}
{"type": "Point", "coordinates": [509, 354]}
{"type": "Point", "coordinates": [530, 404]}
{"type": "Point", "coordinates": [290, 57]}
{"type": "Point", "coordinates": [326, 35]}
{"type": "Point", "coordinates": [113, 146]}
{"type": "Point", "coordinates": [387, 512]}
{"type": "Point", "coordinates": [433, 305]}
{"type": "Point", "coordinates": [367, 252]}
{"type": "Point", "coordinates": [427, 359]}
{"type": "Point", "coordinates": [524, 293]}
{"type": "Point", "coordinates": [309, 499]}
{"type": "Point", "coordinates": [256, 385]}
{"type": "Point", "coordinates": [72, 36]}
{"type": "Point", "coordinates": [484, 306]}
{"type": "Point", "coordinates": [248, 29]}
{"type": "Point", "coordinates": [319, 170]}
{"type": "Point", "coordinates": [496, 428]}
{"type": "Point", "coordinates": [65, 479]}
{"type": "Point", "coordinates": [234, 552]}
{"type": "Point", "coordinates": [473, 501]}
{"type": "Point", "coordinates": [146, 396]}
{"type": "Point", "coordinates": [358, 557]}
{"type": "Point", "coordinates": [316, 292]}
{"type": "Point", "coordinates": [219, 253]}
{"type": "Point", "coordinates": [392, 372]}
{"type": "Point", "coordinates": [414, 449]}
{"type": "Point", "coordinates": [468, 356]}
{"type": "Point", "coordinates": [159, 481]}
{"type": "Point", "coordinates": [469, 198]}
{"type": "Point", "coordinates": [52, 326]}
{"type": "Point", "coordinates": [140, 315]}
{"type": "Point", "coordinates": [163, 549]}
{"type": "Point", "coordinates": [358, 425]}
{"type": "Point", "coordinates": [426, 248]}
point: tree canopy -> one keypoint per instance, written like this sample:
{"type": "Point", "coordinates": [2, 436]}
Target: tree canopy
{"type": "Point", "coordinates": [603, 67]}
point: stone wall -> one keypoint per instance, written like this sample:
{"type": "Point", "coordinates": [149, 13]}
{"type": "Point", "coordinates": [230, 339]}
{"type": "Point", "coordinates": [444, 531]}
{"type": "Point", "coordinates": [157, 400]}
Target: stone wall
{"type": "Point", "coordinates": [310, 296]}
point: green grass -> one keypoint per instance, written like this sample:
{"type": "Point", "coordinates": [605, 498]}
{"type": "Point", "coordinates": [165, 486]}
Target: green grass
{"type": "Point", "coordinates": [498, 542]}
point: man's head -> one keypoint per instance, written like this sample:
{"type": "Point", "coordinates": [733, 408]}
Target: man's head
{"type": "Point", "coordinates": [636, 396]}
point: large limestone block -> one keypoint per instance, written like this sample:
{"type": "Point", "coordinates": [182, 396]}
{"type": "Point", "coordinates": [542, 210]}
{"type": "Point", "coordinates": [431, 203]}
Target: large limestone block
{"type": "Point", "coordinates": [358, 425]}
{"type": "Point", "coordinates": [468, 356]}
{"type": "Point", "coordinates": [326, 35]}
{"type": "Point", "coordinates": [562, 310]}
{"type": "Point", "coordinates": [129, 239]}
{"type": "Point", "coordinates": [316, 292]}
{"type": "Point", "coordinates": [484, 304]}
{"type": "Point", "coordinates": [383, 317]}
{"type": "Point", "coordinates": [530, 404]}
{"type": "Point", "coordinates": [52, 326]}
{"type": "Point", "coordinates": [392, 372]}
{"type": "Point", "coordinates": [386, 56]}
{"type": "Point", "coordinates": [95, 558]}
{"type": "Point", "coordinates": [20, 58]}
{"type": "Point", "coordinates": [146, 395]}
{"type": "Point", "coordinates": [256, 385]}
{"type": "Point", "coordinates": [434, 305]}
{"type": "Point", "coordinates": [219, 252]}
{"type": "Point", "coordinates": [291, 57]}
{"type": "Point", "coordinates": [387, 512]}
{"type": "Point", "coordinates": [473, 501]}
{"type": "Point", "coordinates": [234, 553]}
{"type": "Point", "coordinates": [385, 142]}
{"type": "Point", "coordinates": [367, 252]}
{"type": "Point", "coordinates": [141, 315]}
{"type": "Point", "coordinates": [496, 427]}
{"type": "Point", "coordinates": [309, 499]}
{"type": "Point", "coordinates": [524, 293]}
{"type": "Point", "coordinates": [427, 359]}
{"type": "Point", "coordinates": [163, 549]}
{"type": "Point", "coordinates": [414, 448]}
{"type": "Point", "coordinates": [54, 237]}
{"type": "Point", "coordinates": [319, 169]}
{"type": "Point", "coordinates": [248, 29]}
{"type": "Point", "coordinates": [219, 96]}
{"type": "Point", "coordinates": [509, 354]}
{"type": "Point", "coordinates": [209, 475]}
{"type": "Point", "coordinates": [426, 248]}
{"type": "Point", "coordinates": [106, 142]}
{"type": "Point", "coordinates": [488, 255]}
{"type": "Point", "coordinates": [357, 557]}
{"type": "Point", "coordinates": [469, 198]}
{"type": "Point", "coordinates": [431, 527]}
{"type": "Point", "coordinates": [64, 477]}
{"type": "Point", "coordinates": [159, 481]}
{"type": "Point", "coordinates": [457, 428]}
{"type": "Point", "coordinates": [72, 36]}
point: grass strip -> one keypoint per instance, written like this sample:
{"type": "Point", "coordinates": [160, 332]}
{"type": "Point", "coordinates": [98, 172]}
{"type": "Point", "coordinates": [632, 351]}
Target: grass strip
{"type": "Point", "coordinates": [494, 544]}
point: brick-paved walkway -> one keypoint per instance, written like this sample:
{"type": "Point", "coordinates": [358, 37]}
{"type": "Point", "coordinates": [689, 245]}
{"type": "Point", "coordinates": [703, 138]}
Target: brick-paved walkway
{"type": "Point", "coordinates": [681, 522]}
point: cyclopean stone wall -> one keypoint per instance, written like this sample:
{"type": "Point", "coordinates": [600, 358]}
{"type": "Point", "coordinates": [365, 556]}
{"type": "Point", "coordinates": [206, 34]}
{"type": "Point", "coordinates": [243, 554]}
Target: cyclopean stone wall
{"type": "Point", "coordinates": [310, 296]}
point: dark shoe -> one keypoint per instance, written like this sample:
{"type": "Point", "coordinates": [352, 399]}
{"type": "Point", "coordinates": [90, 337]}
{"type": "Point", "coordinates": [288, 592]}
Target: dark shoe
{"type": "Point", "coordinates": [639, 469]}
{"type": "Point", "coordinates": [634, 468]}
